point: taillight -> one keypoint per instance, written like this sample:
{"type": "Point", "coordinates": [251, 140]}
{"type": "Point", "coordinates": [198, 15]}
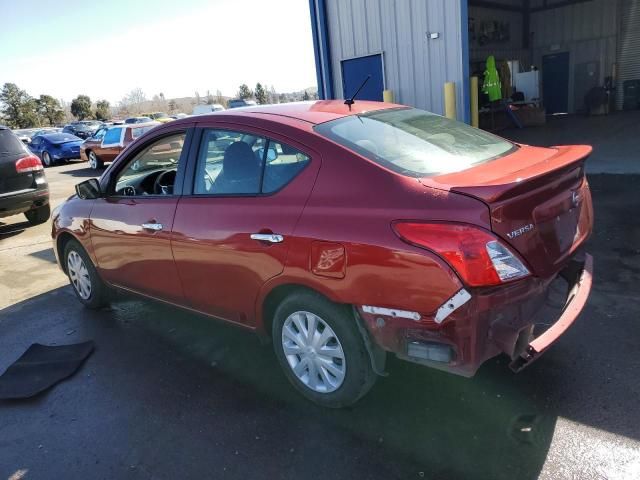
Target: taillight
{"type": "Point", "coordinates": [479, 257]}
{"type": "Point", "coordinates": [28, 164]}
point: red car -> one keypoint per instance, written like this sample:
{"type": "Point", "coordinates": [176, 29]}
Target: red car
{"type": "Point", "coordinates": [344, 233]}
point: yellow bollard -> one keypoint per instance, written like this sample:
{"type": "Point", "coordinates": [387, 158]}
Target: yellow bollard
{"type": "Point", "coordinates": [450, 100]}
{"type": "Point", "coordinates": [387, 96]}
{"type": "Point", "coordinates": [475, 118]}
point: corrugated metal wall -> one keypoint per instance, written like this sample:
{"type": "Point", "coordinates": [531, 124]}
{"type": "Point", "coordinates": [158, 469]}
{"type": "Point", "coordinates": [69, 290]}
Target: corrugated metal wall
{"type": "Point", "coordinates": [628, 46]}
{"type": "Point", "coordinates": [416, 67]}
{"type": "Point", "coordinates": [588, 31]}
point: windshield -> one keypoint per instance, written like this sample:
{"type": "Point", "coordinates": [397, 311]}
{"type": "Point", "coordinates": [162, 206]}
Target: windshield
{"type": "Point", "coordinates": [415, 143]}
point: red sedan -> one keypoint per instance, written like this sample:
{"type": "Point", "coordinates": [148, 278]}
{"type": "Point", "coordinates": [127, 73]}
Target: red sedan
{"type": "Point", "coordinates": [344, 233]}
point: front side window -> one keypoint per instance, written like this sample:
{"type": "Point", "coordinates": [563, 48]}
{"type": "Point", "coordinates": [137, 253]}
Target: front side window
{"type": "Point", "coordinates": [100, 134]}
{"type": "Point", "coordinates": [112, 137]}
{"type": "Point", "coordinates": [415, 143]}
{"type": "Point", "coordinates": [153, 170]}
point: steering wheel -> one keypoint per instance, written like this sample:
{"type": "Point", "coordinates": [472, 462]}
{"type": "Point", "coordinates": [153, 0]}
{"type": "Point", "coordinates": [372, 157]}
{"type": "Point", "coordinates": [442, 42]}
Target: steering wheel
{"type": "Point", "coordinates": [163, 184]}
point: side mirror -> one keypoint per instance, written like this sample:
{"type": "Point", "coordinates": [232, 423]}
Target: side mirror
{"type": "Point", "coordinates": [89, 189]}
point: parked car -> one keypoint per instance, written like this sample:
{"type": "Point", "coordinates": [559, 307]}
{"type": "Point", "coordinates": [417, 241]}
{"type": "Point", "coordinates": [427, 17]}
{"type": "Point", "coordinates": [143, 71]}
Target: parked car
{"type": "Point", "coordinates": [158, 117]}
{"type": "Point", "coordinates": [204, 109]}
{"type": "Point", "coordinates": [23, 186]}
{"type": "Point", "coordinates": [25, 134]}
{"type": "Point", "coordinates": [108, 142]}
{"type": "Point", "coordinates": [79, 129]}
{"type": "Point", "coordinates": [239, 102]}
{"type": "Point", "coordinates": [46, 130]}
{"type": "Point", "coordinates": [53, 148]}
{"type": "Point", "coordinates": [178, 116]}
{"type": "Point", "coordinates": [419, 236]}
{"type": "Point", "coordinates": [137, 120]}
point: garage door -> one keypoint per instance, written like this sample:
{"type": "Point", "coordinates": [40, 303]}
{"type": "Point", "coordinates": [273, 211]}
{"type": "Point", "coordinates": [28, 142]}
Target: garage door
{"type": "Point", "coordinates": [628, 47]}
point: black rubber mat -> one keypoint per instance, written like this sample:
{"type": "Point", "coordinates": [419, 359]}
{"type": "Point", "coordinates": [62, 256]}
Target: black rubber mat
{"type": "Point", "coordinates": [41, 367]}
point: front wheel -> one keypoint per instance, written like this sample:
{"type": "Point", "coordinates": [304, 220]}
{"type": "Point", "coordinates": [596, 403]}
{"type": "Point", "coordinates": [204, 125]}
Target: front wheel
{"type": "Point", "coordinates": [38, 215]}
{"type": "Point", "coordinates": [321, 350]}
{"type": "Point", "coordinates": [84, 278]}
{"type": "Point", "coordinates": [94, 162]}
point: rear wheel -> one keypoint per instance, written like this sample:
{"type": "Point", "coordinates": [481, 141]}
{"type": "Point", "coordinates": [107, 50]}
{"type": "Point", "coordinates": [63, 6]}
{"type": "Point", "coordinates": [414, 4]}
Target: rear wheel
{"type": "Point", "coordinates": [46, 159]}
{"type": "Point", "coordinates": [38, 215]}
{"type": "Point", "coordinates": [86, 283]}
{"type": "Point", "coordinates": [94, 162]}
{"type": "Point", "coordinates": [321, 350]}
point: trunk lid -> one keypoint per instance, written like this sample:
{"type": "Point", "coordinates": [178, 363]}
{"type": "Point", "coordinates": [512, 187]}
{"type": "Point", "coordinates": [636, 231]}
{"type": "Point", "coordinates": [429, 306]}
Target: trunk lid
{"type": "Point", "coordinates": [538, 198]}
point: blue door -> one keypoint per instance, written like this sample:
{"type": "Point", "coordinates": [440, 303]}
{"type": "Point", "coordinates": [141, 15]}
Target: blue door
{"type": "Point", "coordinates": [355, 71]}
{"type": "Point", "coordinates": [555, 82]}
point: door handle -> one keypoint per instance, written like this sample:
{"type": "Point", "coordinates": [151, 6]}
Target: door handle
{"type": "Point", "coordinates": [267, 237]}
{"type": "Point", "coordinates": [152, 226]}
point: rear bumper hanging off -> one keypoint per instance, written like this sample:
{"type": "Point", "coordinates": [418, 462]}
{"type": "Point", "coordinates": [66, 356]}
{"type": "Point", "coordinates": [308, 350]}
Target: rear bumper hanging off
{"type": "Point", "coordinates": [576, 300]}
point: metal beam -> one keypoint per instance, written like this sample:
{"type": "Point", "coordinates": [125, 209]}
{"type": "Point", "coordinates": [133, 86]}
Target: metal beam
{"type": "Point", "coordinates": [549, 6]}
{"type": "Point", "coordinates": [495, 5]}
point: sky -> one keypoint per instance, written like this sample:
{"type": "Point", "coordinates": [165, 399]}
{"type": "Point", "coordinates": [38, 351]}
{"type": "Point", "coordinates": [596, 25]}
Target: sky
{"type": "Point", "coordinates": [105, 49]}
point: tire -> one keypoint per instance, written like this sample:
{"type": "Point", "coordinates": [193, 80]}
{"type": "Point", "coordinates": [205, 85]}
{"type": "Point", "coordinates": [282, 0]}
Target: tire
{"type": "Point", "coordinates": [80, 270]}
{"type": "Point", "coordinates": [94, 162]}
{"type": "Point", "coordinates": [339, 382]}
{"type": "Point", "coordinates": [46, 159]}
{"type": "Point", "coordinates": [38, 215]}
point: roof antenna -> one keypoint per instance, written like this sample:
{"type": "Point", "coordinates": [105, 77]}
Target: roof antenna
{"type": "Point", "coordinates": [351, 101]}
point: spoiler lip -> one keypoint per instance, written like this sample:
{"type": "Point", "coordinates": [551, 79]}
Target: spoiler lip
{"type": "Point", "coordinates": [493, 180]}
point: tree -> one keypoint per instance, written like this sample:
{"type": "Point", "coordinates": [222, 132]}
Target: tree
{"type": "Point", "coordinates": [244, 92]}
{"type": "Point", "coordinates": [261, 94]}
{"type": "Point", "coordinates": [81, 107]}
{"type": "Point", "coordinates": [305, 95]}
{"type": "Point", "coordinates": [50, 109]}
{"type": "Point", "coordinates": [132, 101]}
{"type": "Point", "coordinates": [103, 110]}
{"type": "Point", "coordinates": [18, 107]}
{"type": "Point", "coordinates": [173, 106]}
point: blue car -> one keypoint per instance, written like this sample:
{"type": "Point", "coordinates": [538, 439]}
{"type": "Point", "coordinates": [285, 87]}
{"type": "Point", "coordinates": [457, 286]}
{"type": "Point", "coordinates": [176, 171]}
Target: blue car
{"type": "Point", "coordinates": [55, 147]}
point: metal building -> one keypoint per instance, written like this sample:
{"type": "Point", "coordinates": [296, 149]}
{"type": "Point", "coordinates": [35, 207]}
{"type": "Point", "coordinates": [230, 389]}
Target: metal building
{"type": "Point", "coordinates": [412, 47]}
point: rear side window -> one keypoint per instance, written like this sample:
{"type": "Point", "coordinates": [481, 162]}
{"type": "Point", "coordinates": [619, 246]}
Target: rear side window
{"type": "Point", "coordinates": [236, 163]}
{"type": "Point", "coordinates": [10, 144]}
{"type": "Point", "coordinates": [112, 137]}
{"type": "Point", "coordinates": [415, 143]}
{"type": "Point", "coordinates": [283, 163]}
{"type": "Point", "coordinates": [139, 131]}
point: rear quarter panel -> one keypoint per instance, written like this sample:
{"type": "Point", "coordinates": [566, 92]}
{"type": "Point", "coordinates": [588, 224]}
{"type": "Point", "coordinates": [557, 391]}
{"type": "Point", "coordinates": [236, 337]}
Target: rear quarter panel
{"type": "Point", "coordinates": [73, 219]}
{"type": "Point", "coordinates": [353, 205]}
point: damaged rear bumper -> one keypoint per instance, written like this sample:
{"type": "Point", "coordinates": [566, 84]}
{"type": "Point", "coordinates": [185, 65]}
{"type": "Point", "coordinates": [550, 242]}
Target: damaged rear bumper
{"type": "Point", "coordinates": [504, 319]}
{"type": "Point", "coordinates": [576, 300]}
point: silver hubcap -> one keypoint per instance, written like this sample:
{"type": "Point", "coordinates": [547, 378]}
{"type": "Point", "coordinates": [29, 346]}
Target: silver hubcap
{"type": "Point", "coordinates": [313, 352]}
{"type": "Point", "coordinates": [79, 275]}
{"type": "Point", "coordinates": [92, 160]}
{"type": "Point", "coordinates": [46, 158]}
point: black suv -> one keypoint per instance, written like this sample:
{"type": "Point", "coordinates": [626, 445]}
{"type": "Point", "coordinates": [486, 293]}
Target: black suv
{"type": "Point", "coordinates": [23, 186]}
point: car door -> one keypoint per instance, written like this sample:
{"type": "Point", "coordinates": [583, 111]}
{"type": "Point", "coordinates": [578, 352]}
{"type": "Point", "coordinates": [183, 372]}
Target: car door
{"type": "Point", "coordinates": [131, 225]}
{"type": "Point", "coordinates": [233, 232]}
{"type": "Point", "coordinates": [112, 144]}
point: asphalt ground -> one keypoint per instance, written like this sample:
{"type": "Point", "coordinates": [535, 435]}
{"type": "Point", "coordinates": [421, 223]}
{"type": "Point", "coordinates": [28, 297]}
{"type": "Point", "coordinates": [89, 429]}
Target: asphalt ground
{"type": "Point", "coordinates": [169, 394]}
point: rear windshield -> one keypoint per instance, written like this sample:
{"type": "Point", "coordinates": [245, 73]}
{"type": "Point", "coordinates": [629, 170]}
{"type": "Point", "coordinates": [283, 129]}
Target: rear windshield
{"type": "Point", "coordinates": [10, 144]}
{"type": "Point", "coordinates": [415, 143]}
{"type": "Point", "coordinates": [62, 137]}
